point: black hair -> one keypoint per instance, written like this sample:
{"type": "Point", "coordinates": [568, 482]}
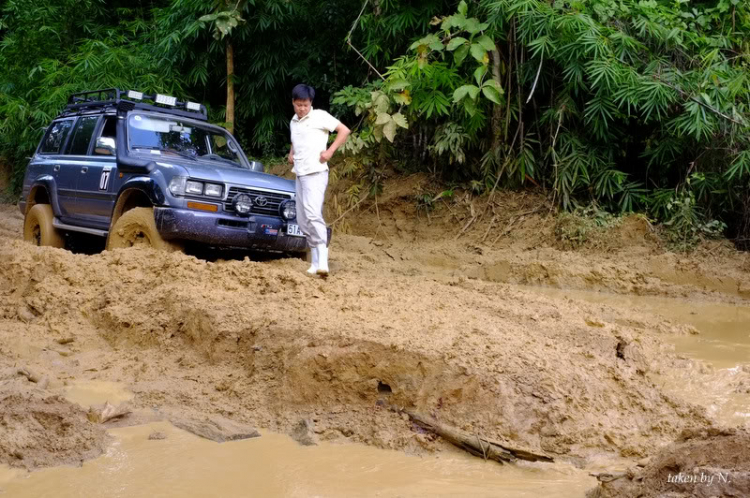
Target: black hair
{"type": "Point", "coordinates": [303, 92]}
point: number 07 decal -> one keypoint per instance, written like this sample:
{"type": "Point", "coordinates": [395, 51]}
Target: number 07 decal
{"type": "Point", "coordinates": [104, 180]}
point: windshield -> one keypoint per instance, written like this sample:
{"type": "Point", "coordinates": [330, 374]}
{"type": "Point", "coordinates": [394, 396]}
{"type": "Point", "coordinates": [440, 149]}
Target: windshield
{"type": "Point", "coordinates": [170, 136]}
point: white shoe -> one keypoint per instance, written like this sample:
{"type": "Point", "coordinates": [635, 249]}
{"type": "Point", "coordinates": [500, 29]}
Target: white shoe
{"type": "Point", "coordinates": [322, 260]}
{"type": "Point", "coordinates": [314, 267]}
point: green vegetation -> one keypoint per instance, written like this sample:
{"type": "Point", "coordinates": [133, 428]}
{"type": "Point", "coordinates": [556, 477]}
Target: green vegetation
{"type": "Point", "coordinates": [584, 226]}
{"type": "Point", "coordinates": [629, 105]}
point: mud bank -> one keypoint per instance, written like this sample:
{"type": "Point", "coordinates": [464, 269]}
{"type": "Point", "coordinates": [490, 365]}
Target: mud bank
{"type": "Point", "coordinates": [700, 464]}
{"type": "Point", "coordinates": [261, 343]}
{"type": "Point", "coordinates": [38, 429]}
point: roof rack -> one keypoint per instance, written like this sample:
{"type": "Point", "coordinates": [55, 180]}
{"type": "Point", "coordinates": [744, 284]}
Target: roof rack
{"type": "Point", "coordinates": [127, 101]}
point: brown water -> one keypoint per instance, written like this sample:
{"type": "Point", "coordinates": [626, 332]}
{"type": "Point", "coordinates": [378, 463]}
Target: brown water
{"type": "Point", "coordinates": [184, 465]}
{"type": "Point", "coordinates": [723, 342]}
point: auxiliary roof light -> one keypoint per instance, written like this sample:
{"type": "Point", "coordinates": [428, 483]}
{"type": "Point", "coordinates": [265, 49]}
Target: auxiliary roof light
{"type": "Point", "coordinates": [132, 94]}
{"type": "Point", "coordinates": [165, 99]}
{"type": "Point", "coordinates": [193, 106]}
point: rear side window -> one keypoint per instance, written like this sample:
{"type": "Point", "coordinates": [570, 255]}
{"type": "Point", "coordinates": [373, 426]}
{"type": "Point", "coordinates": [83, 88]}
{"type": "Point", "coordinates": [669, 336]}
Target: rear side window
{"type": "Point", "coordinates": [55, 137]}
{"type": "Point", "coordinates": [84, 130]}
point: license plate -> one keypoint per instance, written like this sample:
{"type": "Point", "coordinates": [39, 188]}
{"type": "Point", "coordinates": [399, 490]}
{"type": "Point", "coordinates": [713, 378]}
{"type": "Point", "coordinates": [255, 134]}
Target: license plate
{"type": "Point", "coordinates": [294, 230]}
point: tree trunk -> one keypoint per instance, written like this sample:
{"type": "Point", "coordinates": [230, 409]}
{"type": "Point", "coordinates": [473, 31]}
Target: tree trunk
{"type": "Point", "coordinates": [230, 87]}
{"type": "Point", "coordinates": [497, 112]}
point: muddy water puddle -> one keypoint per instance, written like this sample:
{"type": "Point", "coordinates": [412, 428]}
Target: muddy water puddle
{"type": "Point", "coordinates": [184, 465]}
{"type": "Point", "coordinates": [723, 342]}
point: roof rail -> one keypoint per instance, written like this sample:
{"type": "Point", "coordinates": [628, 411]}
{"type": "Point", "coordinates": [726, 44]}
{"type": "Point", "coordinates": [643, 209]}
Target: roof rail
{"type": "Point", "coordinates": [116, 98]}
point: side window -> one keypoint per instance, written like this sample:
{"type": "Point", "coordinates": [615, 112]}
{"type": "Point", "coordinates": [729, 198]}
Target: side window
{"type": "Point", "coordinates": [79, 145]}
{"type": "Point", "coordinates": [55, 137]}
{"type": "Point", "coordinates": [105, 144]}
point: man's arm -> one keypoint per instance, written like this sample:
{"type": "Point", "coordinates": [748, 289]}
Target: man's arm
{"type": "Point", "coordinates": [290, 158]}
{"type": "Point", "coordinates": [342, 132]}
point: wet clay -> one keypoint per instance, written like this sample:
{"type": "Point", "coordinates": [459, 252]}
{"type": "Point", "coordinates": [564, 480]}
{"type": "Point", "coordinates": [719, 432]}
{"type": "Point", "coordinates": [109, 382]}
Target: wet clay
{"type": "Point", "coordinates": [409, 318]}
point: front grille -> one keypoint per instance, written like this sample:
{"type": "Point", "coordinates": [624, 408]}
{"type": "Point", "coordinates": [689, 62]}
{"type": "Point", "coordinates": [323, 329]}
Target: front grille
{"type": "Point", "coordinates": [271, 208]}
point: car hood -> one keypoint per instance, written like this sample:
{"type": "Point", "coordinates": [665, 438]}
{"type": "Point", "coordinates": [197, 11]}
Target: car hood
{"type": "Point", "coordinates": [214, 171]}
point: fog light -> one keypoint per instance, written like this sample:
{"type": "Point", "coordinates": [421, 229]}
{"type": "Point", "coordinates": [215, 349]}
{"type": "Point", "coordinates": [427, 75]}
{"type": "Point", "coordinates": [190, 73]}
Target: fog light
{"type": "Point", "coordinates": [288, 210]}
{"type": "Point", "coordinates": [243, 203]}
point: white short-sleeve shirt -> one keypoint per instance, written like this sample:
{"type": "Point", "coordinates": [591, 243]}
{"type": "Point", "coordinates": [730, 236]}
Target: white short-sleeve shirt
{"type": "Point", "coordinates": [309, 139]}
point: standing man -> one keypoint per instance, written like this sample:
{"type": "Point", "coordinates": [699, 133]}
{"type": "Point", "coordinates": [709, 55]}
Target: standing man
{"type": "Point", "coordinates": [310, 155]}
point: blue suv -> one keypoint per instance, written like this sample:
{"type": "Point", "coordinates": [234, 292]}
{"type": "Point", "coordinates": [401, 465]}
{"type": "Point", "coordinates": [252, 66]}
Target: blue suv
{"type": "Point", "coordinates": [149, 170]}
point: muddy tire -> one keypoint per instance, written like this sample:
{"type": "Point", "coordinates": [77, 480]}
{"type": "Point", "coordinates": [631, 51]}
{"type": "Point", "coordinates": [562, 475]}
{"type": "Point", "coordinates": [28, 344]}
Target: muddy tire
{"type": "Point", "coordinates": [38, 228]}
{"type": "Point", "coordinates": [137, 228]}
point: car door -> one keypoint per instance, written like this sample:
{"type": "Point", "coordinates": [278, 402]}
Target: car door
{"type": "Point", "coordinates": [50, 158]}
{"type": "Point", "coordinates": [92, 192]}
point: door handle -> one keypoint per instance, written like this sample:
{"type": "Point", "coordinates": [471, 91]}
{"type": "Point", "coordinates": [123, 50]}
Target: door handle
{"type": "Point", "coordinates": [84, 169]}
{"type": "Point", "coordinates": [56, 167]}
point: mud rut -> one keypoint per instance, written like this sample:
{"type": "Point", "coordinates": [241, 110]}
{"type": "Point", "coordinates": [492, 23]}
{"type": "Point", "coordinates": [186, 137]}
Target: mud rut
{"type": "Point", "coordinates": [429, 326]}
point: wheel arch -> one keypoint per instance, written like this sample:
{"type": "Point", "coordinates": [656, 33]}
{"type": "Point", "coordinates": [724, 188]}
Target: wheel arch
{"type": "Point", "coordinates": [42, 191]}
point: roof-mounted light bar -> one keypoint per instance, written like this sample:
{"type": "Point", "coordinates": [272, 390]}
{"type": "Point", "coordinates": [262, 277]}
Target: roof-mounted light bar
{"type": "Point", "coordinates": [115, 97]}
{"type": "Point", "coordinates": [165, 99]}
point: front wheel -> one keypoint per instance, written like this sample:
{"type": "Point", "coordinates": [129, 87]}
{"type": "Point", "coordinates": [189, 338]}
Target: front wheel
{"type": "Point", "coordinates": [38, 228]}
{"type": "Point", "coordinates": [137, 228]}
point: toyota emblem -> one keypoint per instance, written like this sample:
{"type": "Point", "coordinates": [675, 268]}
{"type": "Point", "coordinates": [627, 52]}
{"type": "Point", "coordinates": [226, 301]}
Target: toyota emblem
{"type": "Point", "coordinates": [260, 201]}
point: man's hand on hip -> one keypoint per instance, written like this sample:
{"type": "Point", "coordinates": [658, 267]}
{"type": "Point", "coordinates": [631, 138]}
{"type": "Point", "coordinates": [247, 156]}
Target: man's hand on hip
{"type": "Point", "coordinates": [325, 156]}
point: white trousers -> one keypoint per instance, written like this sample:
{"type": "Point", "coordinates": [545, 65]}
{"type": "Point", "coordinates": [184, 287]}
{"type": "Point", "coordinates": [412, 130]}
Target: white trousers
{"type": "Point", "coordinates": [310, 194]}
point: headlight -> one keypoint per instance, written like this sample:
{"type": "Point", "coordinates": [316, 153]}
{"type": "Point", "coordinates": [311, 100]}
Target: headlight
{"type": "Point", "coordinates": [177, 185]}
{"type": "Point", "coordinates": [213, 190]}
{"type": "Point", "coordinates": [192, 187]}
{"type": "Point", "coordinates": [243, 203]}
{"type": "Point", "coordinates": [288, 210]}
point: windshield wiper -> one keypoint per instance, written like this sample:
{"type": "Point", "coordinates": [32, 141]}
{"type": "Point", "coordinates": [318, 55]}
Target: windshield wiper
{"type": "Point", "coordinates": [166, 149]}
{"type": "Point", "coordinates": [217, 157]}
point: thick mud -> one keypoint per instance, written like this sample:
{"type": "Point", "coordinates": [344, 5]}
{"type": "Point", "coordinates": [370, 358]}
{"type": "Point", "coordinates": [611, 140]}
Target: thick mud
{"type": "Point", "coordinates": [182, 465]}
{"type": "Point", "coordinates": [411, 317]}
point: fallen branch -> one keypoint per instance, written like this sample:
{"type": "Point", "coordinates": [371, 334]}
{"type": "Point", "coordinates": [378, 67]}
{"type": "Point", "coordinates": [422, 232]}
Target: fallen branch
{"type": "Point", "coordinates": [492, 223]}
{"type": "Point", "coordinates": [476, 445]}
{"type": "Point", "coordinates": [465, 227]}
{"type": "Point", "coordinates": [348, 210]}
{"type": "Point", "coordinates": [513, 222]}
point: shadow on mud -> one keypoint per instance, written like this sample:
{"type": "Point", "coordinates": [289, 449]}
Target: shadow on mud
{"type": "Point", "coordinates": [81, 243]}
{"type": "Point", "coordinates": [214, 254]}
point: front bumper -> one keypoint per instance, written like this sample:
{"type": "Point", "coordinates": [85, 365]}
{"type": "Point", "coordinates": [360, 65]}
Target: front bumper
{"type": "Point", "coordinates": [255, 232]}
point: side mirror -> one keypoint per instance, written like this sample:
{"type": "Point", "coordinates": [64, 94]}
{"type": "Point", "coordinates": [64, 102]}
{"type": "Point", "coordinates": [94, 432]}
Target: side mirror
{"type": "Point", "coordinates": [105, 146]}
{"type": "Point", "coordinates": [257, 166]}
